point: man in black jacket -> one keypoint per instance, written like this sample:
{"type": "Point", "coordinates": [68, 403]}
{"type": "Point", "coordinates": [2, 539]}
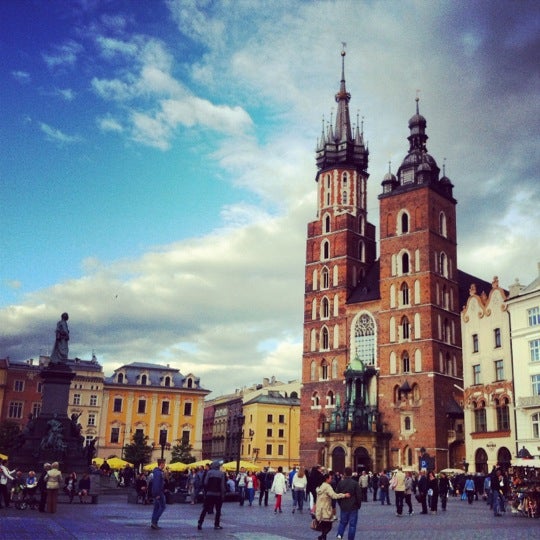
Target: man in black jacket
{"type": "Point", "coordinates": [214, 493]}
{"type": "Point", "coordinates": [349, 507]}
{"type": "Point", "coordinates": [422, 491]}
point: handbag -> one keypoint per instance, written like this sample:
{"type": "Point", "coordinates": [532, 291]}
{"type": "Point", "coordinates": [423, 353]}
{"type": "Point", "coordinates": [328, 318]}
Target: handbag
{"type": "Point", "coordinates": [315, 524]}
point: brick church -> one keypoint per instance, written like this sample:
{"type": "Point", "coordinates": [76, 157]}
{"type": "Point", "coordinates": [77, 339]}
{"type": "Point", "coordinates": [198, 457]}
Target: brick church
{"type": "Point", "coordinates": [382, 367]}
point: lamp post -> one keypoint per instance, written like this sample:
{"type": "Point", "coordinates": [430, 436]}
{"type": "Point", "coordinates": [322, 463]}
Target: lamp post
{"type": "Point", "coordinates": [240, 420]}
{"type": "Point", "coordinates": [162, 441]}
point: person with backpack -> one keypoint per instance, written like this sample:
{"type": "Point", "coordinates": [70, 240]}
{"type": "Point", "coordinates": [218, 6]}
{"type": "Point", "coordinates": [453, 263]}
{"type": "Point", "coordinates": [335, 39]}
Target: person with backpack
{"type": "Point", "coordinates": [214, 494]}
{"type": "Point", "coordinates": [349, 507]}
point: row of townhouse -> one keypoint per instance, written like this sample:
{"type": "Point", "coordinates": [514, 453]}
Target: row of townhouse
{"type": "Point", "coordinates": [153, 399]}
{"type": "Point", "coordinates": [259, 424]}
{"type": "Point", "coordinates": [501, 374]}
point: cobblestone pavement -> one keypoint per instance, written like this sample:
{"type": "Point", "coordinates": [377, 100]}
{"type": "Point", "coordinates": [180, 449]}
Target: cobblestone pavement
{"type": "Point", "coordinates": [114, 518]}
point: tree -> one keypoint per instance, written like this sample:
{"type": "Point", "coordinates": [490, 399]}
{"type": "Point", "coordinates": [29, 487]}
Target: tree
{"type": "Point", "coordinates": [9, 431]}
{"type": "Point", "coordinates": [181, 452]}
{"type": "Point", "coordinates": [139, 452]}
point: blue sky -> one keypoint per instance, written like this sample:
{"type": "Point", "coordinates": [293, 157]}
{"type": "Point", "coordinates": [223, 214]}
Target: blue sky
{"type": "Point", "coordinates": [157, 167]}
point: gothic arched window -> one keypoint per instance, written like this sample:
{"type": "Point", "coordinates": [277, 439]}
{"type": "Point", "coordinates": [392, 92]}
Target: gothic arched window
{"type": "Point", "coordinates": [364, 339]}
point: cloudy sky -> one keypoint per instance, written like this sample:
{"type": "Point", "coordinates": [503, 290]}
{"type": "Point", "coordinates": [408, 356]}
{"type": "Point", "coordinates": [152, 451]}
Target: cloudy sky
{"type": "Point", "coordinates": [157, 162]}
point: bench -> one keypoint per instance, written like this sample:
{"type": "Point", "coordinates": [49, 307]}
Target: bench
{"type": "Point", "coordinates": [64, 498]}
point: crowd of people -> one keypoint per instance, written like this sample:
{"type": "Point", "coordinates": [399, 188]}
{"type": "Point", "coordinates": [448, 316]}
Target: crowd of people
{"type": "Point", "coordinates": [316, 490]}
{"type": "Point", "coordinates": [30, 490]}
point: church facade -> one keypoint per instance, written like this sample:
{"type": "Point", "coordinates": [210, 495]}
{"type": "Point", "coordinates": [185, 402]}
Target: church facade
{"type": "Point", "coordinates": [382, 366]}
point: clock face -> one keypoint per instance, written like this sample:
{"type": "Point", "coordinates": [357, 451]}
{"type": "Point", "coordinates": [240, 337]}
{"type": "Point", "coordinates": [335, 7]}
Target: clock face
{"type": "Point", "coordinates": [407, 177]}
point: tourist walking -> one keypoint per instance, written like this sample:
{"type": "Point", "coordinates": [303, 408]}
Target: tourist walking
{"type": "Point", "coordinates": [53, 478]}
{"type": "Point", "coordinates": [251, 486]}
{"type": "Point", "coordinates": [384, 486]}
{"type": "Point", "coordinates": [42, 486]}
{"type": "Point", "coordinates": [409, 484]}
{"type": "Point", "coordinates": [398, 483]}
{"type": "Point", "coordinates": [214, 493]}
{"type": "Point", "coordinates": [299, 485]}
{"type": "Point", "coordinates": [363, 481]}
{"type": "Point", "coordinates": [433, 491]}
{"type": "Point", "coordinates": [422, 491]}
{"type": "Point", "coordinates": [279, 488]}
{"type": "Point", "coordinates": [265, 479]}
{"type": "Point", "coordinates": [469, 489]}
{"type": "Point", "coordinates": [444, 487]}
{"type": "Point", "coordinates": [241, 485]}
{"type": "Point", "coordinates": [324, 512]}
{"type": "Point", "coordinates": [158, 493]}
{"type": "Point", "coordinates": [349, 506]}
{"type": "Point", "coordinates": [5, 475]}
{"type": "Point", "coordinates": [315, 479]}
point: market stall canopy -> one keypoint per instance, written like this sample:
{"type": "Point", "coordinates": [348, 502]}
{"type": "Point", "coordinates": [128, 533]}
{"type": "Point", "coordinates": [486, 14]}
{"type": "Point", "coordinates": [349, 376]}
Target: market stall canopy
{"type": "Point", "coordinates": [3, 456]}
{"type": "Point", "coordinates": [453, 471]}
{"type": "Point", "coordinates": [200, 463]}
{"type": "Point", "coordinates": [248, 465]}
{"type": "Point", "coordinates": [114, 462]}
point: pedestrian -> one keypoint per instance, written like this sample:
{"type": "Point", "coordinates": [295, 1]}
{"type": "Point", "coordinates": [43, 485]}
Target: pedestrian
{"type": "Point", "coordinates": [324, 512]}
{"type": "Point", "coordinates": [265, 483]}
{"type": "Point", "coordinates": [299, 485]}
{"type": "Point", "coordinates": [214, 493]}
{"type": "Point", "coordinates": [5, 475]}
{"type": "Point", "coordinates": [444, 487]}
{"type": "Point", "coordinates": [469, 489]}
{"type": "Point", "coordinates": [398, 483]}
{"type": "Point", "coordinates": [375, 486]}
{"type": "Point", "coordinates": [409, 484]}
{"type": "Point", "coordinates": [84, 487]}
{"type": "Point", "coordinates": [290, 477]}
{"type": "Point", "coordinates": [241, 485]}
{"type": "Point", "coordinates": [251, 486]}
{"type": "Point", "coordinates": [363, 481]}
{"type": "Point", "coordinates": [315, 479]}
{"type": "Point", "coordinates": [422, 491]}
{"type": "Point", "coordinates": [499, 487]}
{"type": "Point", "coordinates": [158, 493]}
{"type": "Point", "coordinates": [53, 478]}
{"type": "Point", "coordinates": [433, 491]}
{"type": "Point", "coordinates": [42, 486]}
{"type": "Point", "coordinates": [349, 506]}
{"type": "Point", "coordinates": [70, 485]}
{"type": "Point", "coordinates": [279, 488]}
{"type": "Point", "coordinates": [384, 486]}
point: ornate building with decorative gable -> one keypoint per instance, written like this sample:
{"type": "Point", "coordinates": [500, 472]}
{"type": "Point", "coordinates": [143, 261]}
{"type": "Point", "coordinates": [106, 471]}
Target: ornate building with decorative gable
{"type": "Point", "coordinates": [487, 379]}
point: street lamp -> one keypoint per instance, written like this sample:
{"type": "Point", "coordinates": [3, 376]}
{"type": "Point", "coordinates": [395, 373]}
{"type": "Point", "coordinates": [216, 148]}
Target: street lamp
{"type": "Point", "coordinates": [240, 419]}
{"type": "Point", "coordinates": [162, 441]}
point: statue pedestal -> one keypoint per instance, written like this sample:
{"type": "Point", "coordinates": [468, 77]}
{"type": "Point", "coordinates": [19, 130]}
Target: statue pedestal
{"type": "Point", "coordinates": [52, 436]}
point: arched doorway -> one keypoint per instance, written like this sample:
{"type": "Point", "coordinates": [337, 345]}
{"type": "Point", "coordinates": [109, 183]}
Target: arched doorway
{"type": "Point", "coordinates": [504, 458]}
{"type": "Point", "coordinates": [362, 461]}
{"type": "Point", "coordinates": [338, 459]}
{"type": "Point", "coordinates": [480, 461]}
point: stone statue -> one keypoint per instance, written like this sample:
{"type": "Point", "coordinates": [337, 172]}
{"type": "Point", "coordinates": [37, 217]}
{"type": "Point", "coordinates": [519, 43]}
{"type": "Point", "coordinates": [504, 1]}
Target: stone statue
{"type": "Point", "coordinates": [53, 439]}
{"type": "Point", "coordinates": [61, 349]}
{"type": "Point", "coordinates": [90, 451]}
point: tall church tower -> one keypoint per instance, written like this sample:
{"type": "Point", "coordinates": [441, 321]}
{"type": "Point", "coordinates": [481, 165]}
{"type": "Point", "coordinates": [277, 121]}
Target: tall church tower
{"type": "Point", "coordinates": [341, 248]}
{"type": "Point", "coordinates": [420, 366]}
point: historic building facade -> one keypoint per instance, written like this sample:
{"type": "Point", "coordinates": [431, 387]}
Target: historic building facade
{"type": "Point", "coordinates": [487, 379]}
{"type": "Point", "coordinates": [156, 400]}
{"type": "Point", "coordinates": [382, 367]}
{"type": "Point", "coordinates": [524, 309]}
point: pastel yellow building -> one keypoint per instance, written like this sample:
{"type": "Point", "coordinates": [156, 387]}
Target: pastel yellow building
{"type": "Point", "coordinates": [153, 399]}
{"type": "Point", "coordinates": [271, 434]}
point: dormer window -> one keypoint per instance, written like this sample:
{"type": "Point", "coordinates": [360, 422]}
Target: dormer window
{"type": "Point", "coordinates": [167, 381]}
{"type": "Point", "coordinates": [189, 382]}
{"type": "Point", "coordinates": [120, 378]}
{"type": "Point", "coordinates": [144, 380]}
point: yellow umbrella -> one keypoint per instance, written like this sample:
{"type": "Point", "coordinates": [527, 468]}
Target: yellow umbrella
{"type": "Point", "coordinates": [98, 461]}
{"type": "Point", "coordinates": [3, 456]}
{"type": "Point", "coordinates": [178, 467]}
{"type": "Point", "coordinates": [200, 463]}
{"type": "Point", "coordinates": [248, 465]}
{"type": "Point", "coordinates": [118, 463]}
{"type": "Point", "coordinates": [150, 466]}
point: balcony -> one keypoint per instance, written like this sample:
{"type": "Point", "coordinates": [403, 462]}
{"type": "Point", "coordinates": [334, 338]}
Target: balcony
{"type": "Point", "coordinates": [364, 421]}
{"type": "Point", "coordinates": [528, 402]}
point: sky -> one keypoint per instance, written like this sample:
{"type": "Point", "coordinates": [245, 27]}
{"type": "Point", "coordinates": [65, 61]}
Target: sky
{"type": "Point", "coordinates": [157, 165]}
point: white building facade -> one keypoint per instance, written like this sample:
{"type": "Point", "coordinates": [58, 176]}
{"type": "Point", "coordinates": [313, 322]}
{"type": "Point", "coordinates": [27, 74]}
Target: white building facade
{"type": "Point", "coordinates": [524, 310]}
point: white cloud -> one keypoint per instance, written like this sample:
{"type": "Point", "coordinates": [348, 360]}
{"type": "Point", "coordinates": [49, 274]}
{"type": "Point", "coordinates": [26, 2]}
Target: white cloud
{"type": "Point", "coordinates": [56, 135]}
{"type": "Point", "coordinates": [22, 76]}
{"type": "Point", "coordinates": [108, 123]}
{"type": "Point", "coordinates": [65, 54]}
